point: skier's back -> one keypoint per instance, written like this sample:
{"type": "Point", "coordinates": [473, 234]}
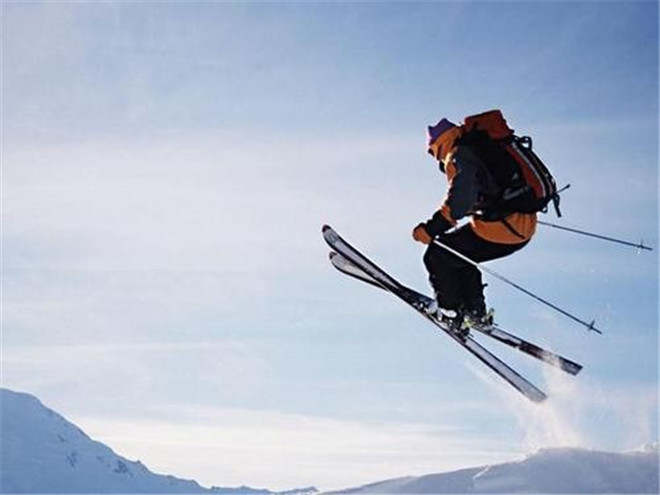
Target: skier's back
{"type": "Point", "coordinates": [497, 229]}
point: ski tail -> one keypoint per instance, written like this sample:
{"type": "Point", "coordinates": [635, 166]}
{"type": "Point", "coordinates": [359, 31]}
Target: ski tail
{"type": "Point", "coordinates": [515, 379]}
{"type": "Point", "coordinates": [548, 357]}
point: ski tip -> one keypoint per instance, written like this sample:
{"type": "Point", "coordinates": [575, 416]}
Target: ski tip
{"type": "Point", "coordinates": [326, 227]}
{"type": "Point", "coordinates": [332, 255]}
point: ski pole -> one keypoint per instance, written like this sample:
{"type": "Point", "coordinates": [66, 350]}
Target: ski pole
{"type": "Point", "coordinates": [480, 266]}
{"type": "Point", "coordinates": [639, 245]}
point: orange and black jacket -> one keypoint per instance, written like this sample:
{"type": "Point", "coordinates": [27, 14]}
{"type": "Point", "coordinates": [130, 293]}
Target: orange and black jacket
{"type": "Point", "coordinates": [470, 184]}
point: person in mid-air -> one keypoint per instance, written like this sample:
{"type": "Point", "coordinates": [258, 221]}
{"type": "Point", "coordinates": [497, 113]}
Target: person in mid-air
{"type": "Point", "coordinates": [475, 189]}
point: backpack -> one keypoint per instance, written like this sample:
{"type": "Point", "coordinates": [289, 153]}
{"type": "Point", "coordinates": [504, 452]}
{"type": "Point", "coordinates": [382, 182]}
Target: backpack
{"type": "Point", "coordinates": [526, 184]}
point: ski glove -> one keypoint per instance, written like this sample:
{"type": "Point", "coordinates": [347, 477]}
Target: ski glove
{"type": "Point", "coordinates": [421, 235]}
{"type": "Point", "coordinates": [426, 231]}
{"type": "Point", "coordinates": [438, 224]}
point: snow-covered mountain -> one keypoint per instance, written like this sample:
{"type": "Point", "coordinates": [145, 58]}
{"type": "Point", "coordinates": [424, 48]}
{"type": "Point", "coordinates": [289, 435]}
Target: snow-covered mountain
{"type": "Point", "coordinates": [559, 470]}
{"type": "Point", "coordinates": [42, 452]}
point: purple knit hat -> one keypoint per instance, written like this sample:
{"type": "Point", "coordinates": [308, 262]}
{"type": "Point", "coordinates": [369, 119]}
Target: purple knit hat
{"type": "Point", "coordinates": [437, 130]}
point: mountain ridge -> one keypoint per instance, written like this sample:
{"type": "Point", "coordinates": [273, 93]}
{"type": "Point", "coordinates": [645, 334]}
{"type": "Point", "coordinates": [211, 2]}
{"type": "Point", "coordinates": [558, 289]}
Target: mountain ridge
{"type": "Point", "coordinates": [548, 470]}
{"type": "Point", "coordinates": [42, 452]}
{"type": "Point", "coordinates": [45, 453]}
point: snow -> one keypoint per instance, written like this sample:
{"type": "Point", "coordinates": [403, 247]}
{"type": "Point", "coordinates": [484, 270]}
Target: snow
{"type": "Point", "coordinates": [573, 471]}
{"type": "Point", "coordinates": [557, 470]}
{"type": "Point", "coordinates": [44, 453]}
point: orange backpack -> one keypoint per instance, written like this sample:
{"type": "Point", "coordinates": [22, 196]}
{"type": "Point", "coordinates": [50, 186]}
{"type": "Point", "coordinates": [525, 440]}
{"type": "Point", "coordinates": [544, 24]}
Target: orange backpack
{"type": "Point", "coordinates": [526, 183]}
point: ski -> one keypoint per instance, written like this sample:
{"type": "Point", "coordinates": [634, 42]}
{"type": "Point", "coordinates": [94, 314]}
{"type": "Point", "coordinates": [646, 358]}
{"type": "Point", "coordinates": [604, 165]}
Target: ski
{"type": "Point", "coordinates": [381, 279]}
{"type": "Point", "coordinates": [494, 331]}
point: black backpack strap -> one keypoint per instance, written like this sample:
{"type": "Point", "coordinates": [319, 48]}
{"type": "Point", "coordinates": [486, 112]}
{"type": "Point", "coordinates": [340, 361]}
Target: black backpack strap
{"type": "Point", "coordinates": [501, 217]}
{"type": "Point", "coordinates": [511, 229]}
{"type": "Point", "coordinates": [556, 199]}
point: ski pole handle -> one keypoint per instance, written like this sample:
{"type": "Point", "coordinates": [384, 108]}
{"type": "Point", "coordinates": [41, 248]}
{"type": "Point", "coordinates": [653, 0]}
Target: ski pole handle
{"type": "Point", "coordinates": [590, 326]}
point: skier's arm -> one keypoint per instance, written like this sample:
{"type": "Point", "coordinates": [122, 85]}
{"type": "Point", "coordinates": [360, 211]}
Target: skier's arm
{"type": "Point", "coordinates": [463, 191]}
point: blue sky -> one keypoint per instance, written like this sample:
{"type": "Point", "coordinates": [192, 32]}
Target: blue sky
{"type": "Point", "coordinates": [166, 171]}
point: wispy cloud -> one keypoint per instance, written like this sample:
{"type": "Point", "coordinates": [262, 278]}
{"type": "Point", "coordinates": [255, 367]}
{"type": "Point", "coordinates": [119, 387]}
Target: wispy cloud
{"type": "Point", "coordinates": [264, 448]}
{"type": "Point", "coordinates": [109, 237]}
{"type": "Point", "coordinates": [226, 369]}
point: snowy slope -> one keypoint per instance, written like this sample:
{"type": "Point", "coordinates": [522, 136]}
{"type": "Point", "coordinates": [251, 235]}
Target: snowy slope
{"type": "Point", "coordinates": [564, 470]}
{"type": "Point", "coordinates": [44, 453]}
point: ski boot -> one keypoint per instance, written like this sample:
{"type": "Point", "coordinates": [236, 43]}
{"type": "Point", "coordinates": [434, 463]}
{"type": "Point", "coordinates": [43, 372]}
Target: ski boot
{"type": "Point", "coordinates": [432, 308]}
{"type": "Point", "coordinates": [476, 318]}
{"type": "Point", "coordinates": [454, 319]}
{"type": "Point", "coordinates": [475, 313]}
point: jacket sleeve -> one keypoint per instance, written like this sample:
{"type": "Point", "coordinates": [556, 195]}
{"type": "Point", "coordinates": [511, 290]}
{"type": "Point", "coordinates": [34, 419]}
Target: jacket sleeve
{"type": "Point", "coordinates": [463, 192]}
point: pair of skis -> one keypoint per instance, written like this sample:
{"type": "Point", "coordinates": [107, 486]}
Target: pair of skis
{"type": "Point", "coordinates": [350, 261]}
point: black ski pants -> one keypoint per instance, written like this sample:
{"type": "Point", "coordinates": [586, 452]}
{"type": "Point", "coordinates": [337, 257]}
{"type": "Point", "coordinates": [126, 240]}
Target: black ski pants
{"type": "Point", "coordinates": [457, 283]}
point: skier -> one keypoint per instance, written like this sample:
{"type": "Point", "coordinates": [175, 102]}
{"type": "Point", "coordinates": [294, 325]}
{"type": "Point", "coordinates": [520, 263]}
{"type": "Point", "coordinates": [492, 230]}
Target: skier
{"type": "Point", "coordinates": [472, 191]}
